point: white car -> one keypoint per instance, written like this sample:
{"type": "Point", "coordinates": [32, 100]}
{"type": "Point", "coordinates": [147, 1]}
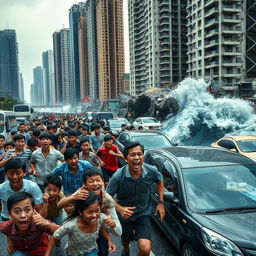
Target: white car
{"type": "Point", "coordinates": [147, 123]}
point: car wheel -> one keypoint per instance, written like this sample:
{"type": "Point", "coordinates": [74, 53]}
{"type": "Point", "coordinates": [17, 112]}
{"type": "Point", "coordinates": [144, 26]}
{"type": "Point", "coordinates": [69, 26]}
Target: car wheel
{"type": "Point", "coordinates": [187, 250]}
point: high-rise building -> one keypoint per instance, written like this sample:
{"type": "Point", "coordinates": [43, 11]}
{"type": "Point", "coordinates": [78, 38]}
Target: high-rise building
{"type": "Point", "coordinates": [9, 66]}
{"type": "Point", "coordinates": [75, 12]}
{"type": "Point", "coordinates": [62, 67]}
{"type": "Point", "coordinates": [37, 89]}
{"type": "Point", "coordinates": [82, 50]}
{"type": "Point", "coordinates": [49, 83]}
{"type": "Point", "coordinates": [21, 90]}
{"type": "Point", "coordinates": [110, 48]}
{"type": "Point", "coordinates": [157, 36]}
{"type": "Point", "coordinates": [217, 40]}
{"type": "Point", "coordinates": [92, 59]}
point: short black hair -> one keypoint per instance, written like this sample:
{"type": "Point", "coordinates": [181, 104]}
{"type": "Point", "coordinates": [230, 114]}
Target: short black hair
{"type": "Point", "coordinates": [14, 132]}
{"type": "Point", "coordinates": [45, 135]}
{"type": "Point", "coordinates": [84, 139]}
{"type": "Point", "coordinates": [21, 124]}
{"type": "Point", "coordinates": [130, 145]}
{"type": "Point", "coordinates": [106, 128]}
{"type": "Point", "coordinates": [53, 179]}
{"type": "Point", "coordinates": [15, 163]}
{"type": "Point", "coordinates": [32, 142]}
{"type": "Point", "coordinates": [69, 153]}
{"type": "Point", "coordinates": [132, 127]}
{"type": "Point", "coordinates": [72, 133]}
{"type": "Point", "coordinates": [123, 125]}
{"type": "Point", "coordinates": [66, 128]}
{"type": "Point", "coordinates": [140, 127]}
{"type": "Point", "coordinates": [2, 136]}
{"type": "Point", "coordinates": [92, 171]}
{"type": "Point", "coordinates": [49, 127]}
{"type": "Point", "coordinates": [108, 137]}
{"type": "Point", "coordinates": [9, 143]}
{"type": "Point", "coordinates": [64, 134]}
{"type": "Point", "coordinates": [96, 126]}
{"type": "Point", "coordinates": [17, 197]}
{"type": "Point", "coordinates": [36, 132]}
{"type": "Point", "coordinates": [19, 137]}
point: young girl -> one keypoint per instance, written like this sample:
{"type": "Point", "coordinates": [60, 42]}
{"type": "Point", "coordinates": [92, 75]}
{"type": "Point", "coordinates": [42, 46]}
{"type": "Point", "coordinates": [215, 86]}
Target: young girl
{"type": "Point", "coordinates": [83, 228]}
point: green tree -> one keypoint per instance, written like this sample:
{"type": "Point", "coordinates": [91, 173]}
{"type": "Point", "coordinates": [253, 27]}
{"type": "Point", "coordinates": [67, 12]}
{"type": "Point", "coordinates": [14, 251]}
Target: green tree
{"type": "Point", "coordinates": [7, 103]}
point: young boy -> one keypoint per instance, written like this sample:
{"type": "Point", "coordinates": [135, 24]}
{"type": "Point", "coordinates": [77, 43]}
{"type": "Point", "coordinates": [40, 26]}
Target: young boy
{"type": "Point", "coordinates": [27, 231]}
{"type": "Point", "coordinates": [51, 197]}
{"type": "Point", "coordinates": [86, 154]}
{"type": "Point", "coordinates": [108, 154]}
{"type": "Point", "coordinates": [15, 170]}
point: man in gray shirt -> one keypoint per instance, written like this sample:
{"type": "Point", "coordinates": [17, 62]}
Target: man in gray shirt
{"type": "Point", "coordinates": [44, 159]}
{"type": "Point", "coordinates": [132, 187]}
{"type": "Point", "coordinates": [96, 139]}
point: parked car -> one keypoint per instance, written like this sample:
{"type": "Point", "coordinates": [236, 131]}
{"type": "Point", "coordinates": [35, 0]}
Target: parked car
{"type": "Point", "coordinates": [115, 124]}
{"type": "Point", "coordinates": [210, 200]}
{"type": "Point", "coordinates": [149, 139]}
{"type": "Point", "coordinates": [147, 122]}
{"type": "Point", "coordinates": [244, 145]}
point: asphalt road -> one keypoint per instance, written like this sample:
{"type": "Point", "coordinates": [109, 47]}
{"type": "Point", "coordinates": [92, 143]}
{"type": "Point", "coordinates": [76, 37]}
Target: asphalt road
{"type": "Point", "coordinates": [160, 245]}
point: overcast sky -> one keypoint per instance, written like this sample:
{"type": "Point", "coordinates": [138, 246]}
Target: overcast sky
{"type": "Point", "coordinates": [34, 22]}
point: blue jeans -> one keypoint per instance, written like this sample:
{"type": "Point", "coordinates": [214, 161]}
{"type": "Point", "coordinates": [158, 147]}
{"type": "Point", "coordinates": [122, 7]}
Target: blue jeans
{"type": "Point", "coordinates": [19, 253]}
{"type": "Point", "coordinates": [92, 253]}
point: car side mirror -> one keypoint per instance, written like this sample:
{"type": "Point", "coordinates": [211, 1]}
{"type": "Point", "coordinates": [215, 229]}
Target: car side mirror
{"type": "Point", "coordinates": [169, 197]}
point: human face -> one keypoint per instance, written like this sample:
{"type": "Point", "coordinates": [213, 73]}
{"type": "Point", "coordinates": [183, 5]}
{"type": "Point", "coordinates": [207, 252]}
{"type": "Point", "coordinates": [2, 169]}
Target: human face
{"type": "Point", "coordinates": [91, 214]}
{"type": "Point", "coordinates": [20, 144]}
{"type": "Point", "coordinates": [8, 148]}
{"type": "Point", "coordinates": [46, 142]}
{"type": "Point", "coordinates": [22, 128]}
{"type": "Point", "coordinates": [2, 141]}
{"type": "Point", "coordinates": [73, 162]}
{"type": "Point", "coordinates": [22, 213]}
{"type": "Point", "coordinates": [69, 209]}
{"type": "Point", "coordinates": [94, 184]}
{"type": "Point", "coordinates": [15, 177]}
{"type": "Point", "coordinates": [34, 148]}
{"type": "Point", "coordinates": [135, 159]}
{"type": "Point", "coordinates": [72, 140]}
{"type": "Point", "coordinates": [108, 143]}
{"type": "Point", "coordinates": [85, 146]}
{"type": "Point", "coordinates": [84, 132]}
{"type": "Point", "coordinates": [53, 192]}
{"type": "Point", "coordinates": [97, 131]}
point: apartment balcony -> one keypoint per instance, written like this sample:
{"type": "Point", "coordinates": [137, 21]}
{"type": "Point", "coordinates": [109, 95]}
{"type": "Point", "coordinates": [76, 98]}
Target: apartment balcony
{"type": "Point", "coordinates": [211, 22]}
{"type": "Point", "coordinates": [164, 21]}
{"type": "Point", "coordinates": [231, 8]}
{"type": "Point", "coordinates": [164, 4]}
{"type": "Point", "coordinates": [230, 19]}
{"type": "Point", "coordinates": [164, 41]}
{"type": "Point", "coordinates": [211, 43]}
{"type": "Point", "coordinates": [164, 29]}
{"type": "Point", "coordinates": [230, 75]}
{"type": "Point", "coordinates": [212, 64]}
{"type": "Point", "coordinates": [230, 41]}
{"type": "Point", "coordinates": [212, 11]}
{"type": "Point", "coordinates": [212, 32]}
{"type": "Point", "coordinates": [165, 61]}
{"type": "Point", "coordinates": [232, 53]}
{"type": "Point", "coordinates": [231, 31]}
{"type": "Point", "coordinates": [208, 3]}
{"type": "Point", "coordinates": [232, 63]}
{"type": "Point", "coordinates": [211, 53]}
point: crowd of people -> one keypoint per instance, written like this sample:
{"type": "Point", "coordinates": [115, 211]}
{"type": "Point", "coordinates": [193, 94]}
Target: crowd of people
{"type": "Point", "coordinates": [59, 177]}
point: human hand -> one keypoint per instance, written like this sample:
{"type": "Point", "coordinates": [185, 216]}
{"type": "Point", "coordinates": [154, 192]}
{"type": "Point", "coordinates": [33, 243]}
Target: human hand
{"type": "Point", "coordinates": [13, 154]}
{"type": "Point", "coordinates": [39, 220]}
{"type": "Point", "coordinates": [126, 212]}
{"type": "Point", "coordinates": [10, 247]}
{"type": "Point", "coordinates": [111, 152]}
{"type": "Point", "coordinates": [45, 198]}
{"type": "Point", "coordinates": [36, 173]}
{"type": "Point", "coordinates": [80, 194]}
{"type": "Point", "coordinates": [109, 222]}
{"type": "Point", "coordinates": [160, 209]}
{"type": "Point", "coordinates": [111, 246]}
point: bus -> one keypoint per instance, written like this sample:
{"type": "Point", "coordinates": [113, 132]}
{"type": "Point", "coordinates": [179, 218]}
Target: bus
{"type": "Point", "coordinates": [23, 112]}
{"type": "Point", "coordinates": [7, 123]}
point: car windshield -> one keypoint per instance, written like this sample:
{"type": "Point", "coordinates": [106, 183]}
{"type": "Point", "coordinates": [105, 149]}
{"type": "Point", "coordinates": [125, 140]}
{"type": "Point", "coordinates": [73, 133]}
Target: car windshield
{"type": "Point", "coordinates": [153, 141]}
{"type": "Point", "coordinates": [1, 123]}
{"type": "Point", "coordinates": [223, 187]}
{"type": "Point", "coordinates": [149, 120]}
{"type": "Point", "coordinates": [115, 123]}
{"type": "Point", "coordinates": [247, 146]}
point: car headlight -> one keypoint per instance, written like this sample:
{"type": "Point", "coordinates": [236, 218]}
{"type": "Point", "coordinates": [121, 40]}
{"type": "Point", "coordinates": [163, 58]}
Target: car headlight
{"type": "Point", "coordinates": [219, 244]}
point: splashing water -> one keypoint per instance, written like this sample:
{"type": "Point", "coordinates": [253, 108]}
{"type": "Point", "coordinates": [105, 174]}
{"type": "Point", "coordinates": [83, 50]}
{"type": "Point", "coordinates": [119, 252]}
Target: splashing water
{"type": "Point", "coordinates": [202, 119]}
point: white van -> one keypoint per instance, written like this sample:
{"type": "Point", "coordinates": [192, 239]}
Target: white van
{"type": "Point", "coordinates": [7, 123]}
{"type": "Point", "coordinates": [23, 112]}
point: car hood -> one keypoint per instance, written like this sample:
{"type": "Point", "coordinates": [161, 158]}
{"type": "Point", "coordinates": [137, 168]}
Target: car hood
{"type": "Point", "coordinates": [250, 155]}
{"type": "Point", "coordinates": [238, 227]}
{"type": "Point", "coordinates": [152, 124]}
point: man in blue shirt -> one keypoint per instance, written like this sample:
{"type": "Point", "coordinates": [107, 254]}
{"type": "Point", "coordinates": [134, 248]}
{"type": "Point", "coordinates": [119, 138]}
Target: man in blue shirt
{"type": "Point", "coordinates": [72, 171]}
{"type": "Point", "coordinates": [15, 170]}
{"type": "Point", "coordinates": [132, 187]}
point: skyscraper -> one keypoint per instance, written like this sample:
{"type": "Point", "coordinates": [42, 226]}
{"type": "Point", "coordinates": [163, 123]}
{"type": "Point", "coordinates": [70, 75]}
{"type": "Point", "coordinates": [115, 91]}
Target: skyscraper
{"type": "Point", "coordinates": [62, 66]}
{"type": "Point", "coordinates": [37, 89]}
{"type": "Point", "coordinates": [110, 48]}
{"type": "Point", "coordinates": [92, 54]}
{"type": "Point", "coordinates": [75, 12]}
{"type": "Point", "coordinates": [9, 67]}
{"type": "Point", "coordinates": [49, 83]}
{"type": "Point", "coordinates": [217, 40]}
{"type": "Point", "coordinates": [157, 36]}
{"type": "Point", "coordinates": [21, 91]}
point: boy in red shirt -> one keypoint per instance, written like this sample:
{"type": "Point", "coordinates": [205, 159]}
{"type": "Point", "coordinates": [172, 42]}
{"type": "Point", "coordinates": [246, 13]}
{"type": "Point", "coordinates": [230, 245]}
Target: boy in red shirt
{"type": "Point", "coordinates": [108, 155]}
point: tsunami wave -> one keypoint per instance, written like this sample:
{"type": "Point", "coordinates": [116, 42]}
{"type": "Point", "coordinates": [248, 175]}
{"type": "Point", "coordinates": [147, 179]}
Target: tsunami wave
{"type": "Point", "coordinates": [202, 119]}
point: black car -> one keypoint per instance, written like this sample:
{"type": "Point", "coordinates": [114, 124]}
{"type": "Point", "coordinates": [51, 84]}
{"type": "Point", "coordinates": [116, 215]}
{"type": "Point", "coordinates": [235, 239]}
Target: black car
{"type": "Point", "coordinates": [210, 200]}
{"type": "Point", "coordinates": [149, 139]}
